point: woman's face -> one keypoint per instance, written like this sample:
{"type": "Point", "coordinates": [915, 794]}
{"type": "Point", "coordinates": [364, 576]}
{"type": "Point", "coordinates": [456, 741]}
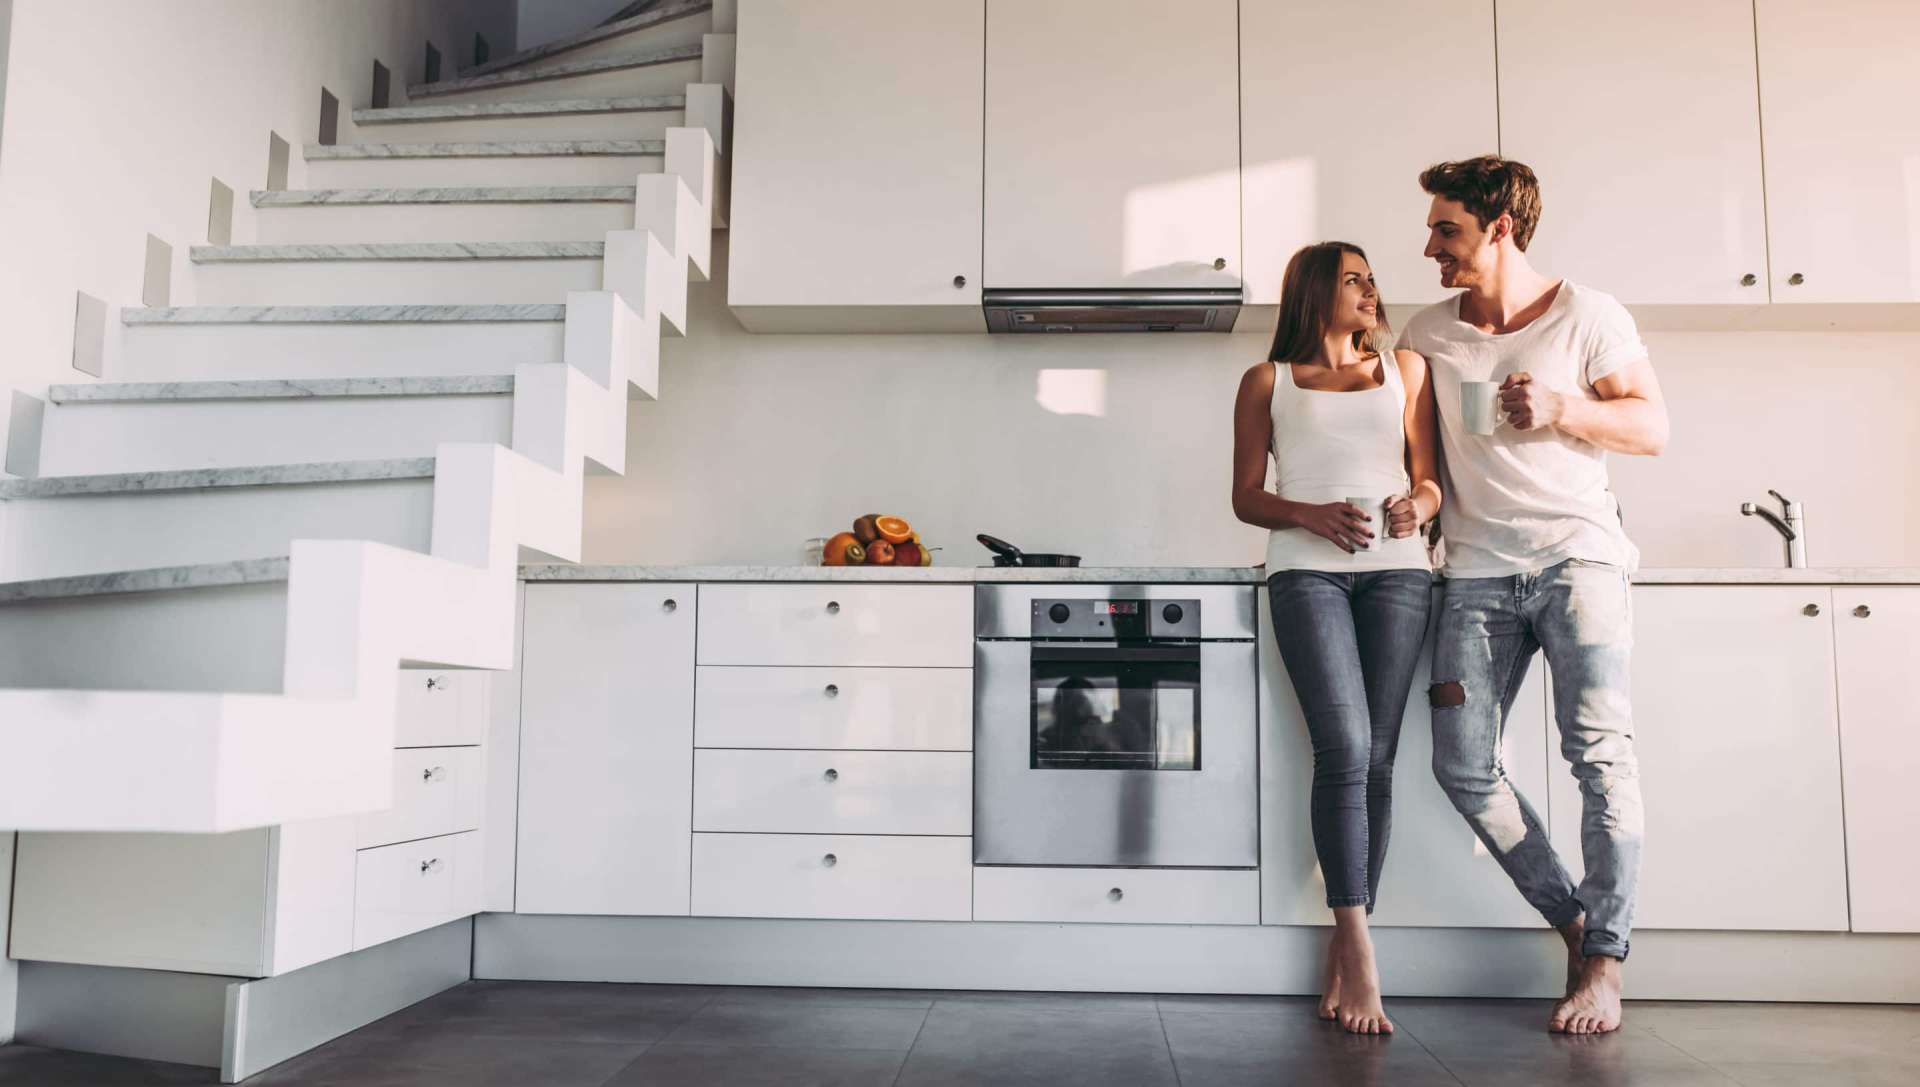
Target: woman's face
{"type": "Point", "coordinates": [1356, 302]}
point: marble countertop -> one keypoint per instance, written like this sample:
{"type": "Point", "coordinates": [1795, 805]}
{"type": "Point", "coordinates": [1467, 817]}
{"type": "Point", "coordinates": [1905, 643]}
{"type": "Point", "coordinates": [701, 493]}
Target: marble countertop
{"type": "Point", "coordinates": [1210, 575]}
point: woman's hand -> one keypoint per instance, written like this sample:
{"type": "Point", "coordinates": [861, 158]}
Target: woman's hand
{"type": "Point", "coordinates": [1403, 517]}
{"type": "Point", "coordinates": [1341, 522]}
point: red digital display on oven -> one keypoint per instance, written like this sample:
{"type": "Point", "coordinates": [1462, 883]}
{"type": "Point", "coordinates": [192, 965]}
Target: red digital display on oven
{"type": "Point", "coordinates": [1118, 607]}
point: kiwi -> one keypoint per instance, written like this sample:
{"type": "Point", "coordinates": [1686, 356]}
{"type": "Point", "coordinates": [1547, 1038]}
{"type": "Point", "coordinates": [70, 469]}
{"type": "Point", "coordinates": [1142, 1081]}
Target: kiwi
{"type": "Point", "coordinates": [865, 529]}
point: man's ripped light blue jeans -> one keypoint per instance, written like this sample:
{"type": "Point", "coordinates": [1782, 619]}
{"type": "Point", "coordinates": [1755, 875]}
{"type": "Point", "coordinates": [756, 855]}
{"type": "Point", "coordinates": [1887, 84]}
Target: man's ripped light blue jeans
{"type": "Point", "coordinates": [1581, 614]}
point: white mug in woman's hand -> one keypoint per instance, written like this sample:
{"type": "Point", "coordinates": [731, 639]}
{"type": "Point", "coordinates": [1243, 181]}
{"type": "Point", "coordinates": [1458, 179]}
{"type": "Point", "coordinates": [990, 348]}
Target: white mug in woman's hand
{"type": "Point", "coordinates": [1480, 406]}
{"type": "Point", "coordinates": [1375, 507]}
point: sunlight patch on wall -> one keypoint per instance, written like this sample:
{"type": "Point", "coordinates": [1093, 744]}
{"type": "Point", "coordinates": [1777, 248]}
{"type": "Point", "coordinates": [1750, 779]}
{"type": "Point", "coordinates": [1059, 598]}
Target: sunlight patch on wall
{"type": "Point", "coordinates": [1072, 392]}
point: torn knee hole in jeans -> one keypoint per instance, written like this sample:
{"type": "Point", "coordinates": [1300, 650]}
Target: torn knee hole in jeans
{"type": "Point", "coordinates": [1447, 695]}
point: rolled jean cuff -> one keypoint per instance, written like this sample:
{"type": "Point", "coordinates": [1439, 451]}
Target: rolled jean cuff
{"type": "Point", "coordinates": [1603, 944]}
{"type": "Point", "coordinates": [1351, 900]}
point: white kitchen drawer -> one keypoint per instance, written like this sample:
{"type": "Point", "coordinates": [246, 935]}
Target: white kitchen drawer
{"type": "Point", "coordinates": [833, 792]}
{"type": "Point", "coordinates": [846, 876]}
{"type": "Point", "coordinates": [436, 790]}
{"type": "Point", "coordinates": [402, 889]}
{"type": "Point", "coordinates": [902, 709]}
{"type": "Point", "coordinates": [903, 626]}
{"type": "Point", "coordinates": [1153, 896]}
{"type": "Point", "coordinates": [441, 707]}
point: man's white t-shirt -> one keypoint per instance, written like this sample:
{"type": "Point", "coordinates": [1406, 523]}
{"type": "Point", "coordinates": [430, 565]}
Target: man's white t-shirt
{"type": "Point", "coordinates": [1515, 500]}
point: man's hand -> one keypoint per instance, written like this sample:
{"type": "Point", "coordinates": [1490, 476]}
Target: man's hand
{"type": "Point", "coordinates": [1529, 406]}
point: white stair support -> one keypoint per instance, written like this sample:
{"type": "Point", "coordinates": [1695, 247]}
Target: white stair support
{"type": "Point", "coordinates": [667, 206]}
{"type": "Point", "coordinates": [647, 276]}
{"type": "Point", "coordinates": [716, 60]}
{"type": "Point", "coordinates": [726, 16]}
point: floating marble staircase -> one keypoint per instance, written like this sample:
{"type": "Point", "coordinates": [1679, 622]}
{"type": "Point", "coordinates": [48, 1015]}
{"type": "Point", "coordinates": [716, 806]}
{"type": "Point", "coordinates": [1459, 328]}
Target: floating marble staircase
{"type": "Point", "coordinates": [329, 466]}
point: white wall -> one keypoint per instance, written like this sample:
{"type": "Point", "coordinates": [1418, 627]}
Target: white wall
{"type": "Point", "coordinates": [118, 117]}
{"type": "Point", "coordinates": [9, 970]}
{"type": "Point", "coordinates": [758, 442]}
{"type": "Point", "coordinates": [542, 21]}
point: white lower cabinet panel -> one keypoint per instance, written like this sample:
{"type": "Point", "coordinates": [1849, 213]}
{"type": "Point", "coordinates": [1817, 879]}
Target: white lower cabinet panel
{"type": "Point", "coordinates": [903, 626]}
{"type": "Point", "coordinates": [438, 707]}
{"type": "Point", "coordinates": [436, 790]}
{"type": "Point", "coordinates": [1150, 896]}
{"type": "Point", "coordinates": [402, 889]}
{"type": "Point", "coordinates": [897, 878]}
{"type": "Point", "coordinates": [833, 792]}
{"type": "Point", "coordinates": [913, 709]}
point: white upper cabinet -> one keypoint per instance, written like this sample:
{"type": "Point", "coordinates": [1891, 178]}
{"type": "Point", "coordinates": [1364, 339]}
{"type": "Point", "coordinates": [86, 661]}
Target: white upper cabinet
{"type": "Point", "coordinates": [1739, 749]}
{"type": "Point", "coordinates": [1877, 639]}
{"type": "Point", "coordinates": [1838, 93]}
{"type": "Point", "coordinates": [1338, 116]}
{"type": "Point", "coordinates": [1639, 117]}
{"type": "Point", "coordinates": [1112, 144]}
{"type": "Point", "coordinates": [856, 173]}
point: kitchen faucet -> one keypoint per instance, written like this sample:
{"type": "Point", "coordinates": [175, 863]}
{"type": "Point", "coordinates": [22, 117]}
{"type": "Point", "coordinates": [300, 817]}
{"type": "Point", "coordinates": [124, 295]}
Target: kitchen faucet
{"type": "Point", "coordinates": [1793, 527]}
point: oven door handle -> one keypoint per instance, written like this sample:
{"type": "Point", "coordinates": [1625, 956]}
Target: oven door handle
{"type": "Point", "coordinates": [1119, 654]}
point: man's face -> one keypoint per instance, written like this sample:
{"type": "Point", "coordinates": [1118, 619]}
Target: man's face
{"type": "Point", "coordinates": [1457, 242]}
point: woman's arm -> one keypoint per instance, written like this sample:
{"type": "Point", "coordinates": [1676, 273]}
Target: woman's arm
{"type": "Point", "coordinates": [1423, 460]}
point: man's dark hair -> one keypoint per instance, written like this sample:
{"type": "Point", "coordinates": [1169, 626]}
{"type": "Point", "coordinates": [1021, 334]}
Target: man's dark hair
{"type": "Point", "coordinates": [1489, 187]}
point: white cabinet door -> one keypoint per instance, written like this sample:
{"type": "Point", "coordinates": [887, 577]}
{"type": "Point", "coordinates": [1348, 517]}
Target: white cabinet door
{"type": "Point", "coordinates": [1115, 896]}
{"type": "Point", "coordinates": [899, 709]}
{"type": "Point", "coordinates": [1113, 144]}
{"type": "Point", "coordinates": [606, 749]}
{"type": "Point", "coordinates": [1733, 707]}
{"type": "Point", "coordinates": [411, 887]}
{"type": "Point", "coordinates": [1640, 118]}
{"type": "Point", "coordinates": [1437, 873]}
{"type": "Point", "coordinates": [441, 707]}
{"type": "Point", "coordinates": [877, 877]}
{"type": "Point", "coordinates": [1838, 84]}
{"type": "Point", "coordinates": [1877, 639]}
{"type": "Point", "coordinates": [904, 626]}
{"type": "Point", "coordinates": [856, 173]}
{"type": "Point", "coordinates": [1337, 119]}
{"type": "Point", "coordinates": [833, 792]}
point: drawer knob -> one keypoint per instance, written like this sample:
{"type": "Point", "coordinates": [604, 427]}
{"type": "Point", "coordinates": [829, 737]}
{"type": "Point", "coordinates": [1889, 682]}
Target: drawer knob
{"type": "Point", "coordinates": [1810, 610]}
{"type": "Point", "coordinates": [1749, 279]}
{"type": "Point", "coordinates": [428, 867]}
{"type": "Point", "coordinates": [1862, 611]}
{"type": "Point", "coordinates": [833, 607]}
{"type": "Point", "coordinates": [436, 683]}
{"type": "Point", "coordinates": [829, 860]}
{"type": "Point", "coordinates": [833, 690]}
{"type": "Point", "coordinates": [1116, 894]}
{"type": "Point", "coordinates": [831, 775]}
{"type": "Point", "coordinates": [959, 281]}
{"type": "Point", "coordinates": [1796, 279]}
{"type": "Point", "coordinates": [670, 605]}
{"type": "Point", "coordinates": [1219, 264]}
{"type": "Point", "coordinates": [438, 773]}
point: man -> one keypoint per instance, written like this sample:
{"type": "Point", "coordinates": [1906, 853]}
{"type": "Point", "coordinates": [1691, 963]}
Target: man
{"type": "Point", "coordinates": [1536, 556]}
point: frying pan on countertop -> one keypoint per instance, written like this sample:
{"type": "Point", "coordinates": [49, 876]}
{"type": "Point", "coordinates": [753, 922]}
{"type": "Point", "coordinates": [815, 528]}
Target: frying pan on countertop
{"type": "Point", "coordinates": [1005, 554]}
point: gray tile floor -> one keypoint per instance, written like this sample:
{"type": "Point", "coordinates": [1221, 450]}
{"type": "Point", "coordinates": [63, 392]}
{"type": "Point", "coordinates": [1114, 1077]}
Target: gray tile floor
{"type": "Point", "coordinates": [567, 1035]}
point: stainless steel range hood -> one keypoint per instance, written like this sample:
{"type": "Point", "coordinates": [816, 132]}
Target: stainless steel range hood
{"type": "Point", "coordinates": [1192, 310]}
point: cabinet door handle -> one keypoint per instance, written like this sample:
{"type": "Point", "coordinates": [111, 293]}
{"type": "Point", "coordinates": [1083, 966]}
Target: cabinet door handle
{"type": "Point", "coordinates": [1115, 895]}
{"type": "Point", "coordinates": [430, 867]}
{"type": "Point", "coordinates": [829, 860]}
{"type": "Point", "coordinates": [438, 773]}
{"type": "Point", "coordinates": [670, 605]}
{"type": "Point", "coordinates": [1796, 279]}
{"type": "Point", "coordinates": [1862, 611]}
{"type": "Point", "coordinates": [1749, 279]}
{"type": "Point", "coordinates": [831, 775]}
{"type": "Point", "coordinates": [1810, 610]}
{"type": "Point", "coordinates": [833, 690]}
{"type": "Point", "coordinates": [833, 607]}
{"type": "Point", "coordinates": [1219, 264]}
{"type": "Point", "coordinates": [959, 281]}
{"type": "Point", "coordinates": [436, 683]}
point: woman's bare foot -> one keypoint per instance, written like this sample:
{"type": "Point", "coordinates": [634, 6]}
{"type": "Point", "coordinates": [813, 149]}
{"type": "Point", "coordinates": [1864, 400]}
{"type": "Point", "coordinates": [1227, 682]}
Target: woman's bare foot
{"type": "Point", "coordinates": [1593, 1007]}
{"type": "Point", "coordinates": [1359, 1011]}
{"type": "Point", "coordinates": [1330, 985]}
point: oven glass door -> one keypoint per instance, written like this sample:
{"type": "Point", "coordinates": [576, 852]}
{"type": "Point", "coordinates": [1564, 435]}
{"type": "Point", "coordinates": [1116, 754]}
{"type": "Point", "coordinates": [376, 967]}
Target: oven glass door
{"type": "Point", "coordinates": [1107, 706]}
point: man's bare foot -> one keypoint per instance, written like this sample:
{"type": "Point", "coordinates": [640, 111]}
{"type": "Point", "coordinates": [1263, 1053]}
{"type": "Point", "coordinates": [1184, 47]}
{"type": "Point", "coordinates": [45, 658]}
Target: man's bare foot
{"type": "Point", "coordinates": [1360, 1011]}
{"type": "Point", "coordinates": [1574, 934]}
{"type": "Point", "coordinates": [1593, 1007]}
{"type": "Point", "coordinates": [1330, 985]}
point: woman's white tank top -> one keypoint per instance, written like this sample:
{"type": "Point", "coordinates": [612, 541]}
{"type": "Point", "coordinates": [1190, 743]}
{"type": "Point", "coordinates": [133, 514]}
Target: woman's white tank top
{"type": "Point", "coordinates": [1331, 446]}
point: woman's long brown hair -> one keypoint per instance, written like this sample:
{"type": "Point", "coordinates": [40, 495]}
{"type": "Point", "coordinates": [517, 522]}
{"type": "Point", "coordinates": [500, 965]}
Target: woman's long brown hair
{"type": "Point", "coordinates": [1306, 304]}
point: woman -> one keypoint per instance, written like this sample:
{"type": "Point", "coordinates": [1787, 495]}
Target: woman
{"type": "Point", "coordinates": [1343, 416]}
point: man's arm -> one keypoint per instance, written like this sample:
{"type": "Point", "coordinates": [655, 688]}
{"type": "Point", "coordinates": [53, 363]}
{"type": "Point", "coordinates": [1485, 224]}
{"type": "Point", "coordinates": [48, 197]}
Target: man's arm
{"type": "Point", "coordinates": [1630, 416]}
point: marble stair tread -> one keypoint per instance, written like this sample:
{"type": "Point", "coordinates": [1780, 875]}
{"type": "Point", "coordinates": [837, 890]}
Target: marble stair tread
{"type": "Point", "coordinates": [205, 575]}
{"type": "Point", "coordinates": [324, 315]}
{"type": "Point", "coordinates": [664, 14]}
{"type": "Point", "coordinates": [358, 251]}
{"type": "Point", "coordinates": [544, 73]}
{"type": "Point", "coordinates": [485, 149]}
{"type": "Point", "coordinates": [280, 389]}
{"type": "Point", "coordinates": [471, 194]}
{"type": "Point", "coordinates": [551, 107]}
{"type": "Point", "coordinates": [194, 479]}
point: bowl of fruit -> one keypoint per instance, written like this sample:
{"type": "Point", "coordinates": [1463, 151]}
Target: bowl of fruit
{"type": "Point", "coordinates": [877, 540]}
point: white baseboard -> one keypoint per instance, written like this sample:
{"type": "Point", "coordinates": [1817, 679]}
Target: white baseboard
{"type": "Point", "coordinates": [1174, 958]}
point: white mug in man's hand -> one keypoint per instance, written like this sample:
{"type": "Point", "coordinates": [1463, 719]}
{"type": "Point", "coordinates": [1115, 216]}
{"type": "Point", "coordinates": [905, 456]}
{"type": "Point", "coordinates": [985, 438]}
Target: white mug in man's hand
{"type": "Point", "coordinates": [1480, 406]}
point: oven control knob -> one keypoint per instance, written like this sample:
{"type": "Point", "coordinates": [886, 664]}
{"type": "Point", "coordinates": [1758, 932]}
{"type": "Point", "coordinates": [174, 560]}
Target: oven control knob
{"type": "Point", "coordinates": [1173, 613]}
{"type": "Point", "coordinates": [1059, 613]}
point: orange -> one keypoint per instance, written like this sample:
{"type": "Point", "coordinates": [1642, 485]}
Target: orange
{"type": "Point", "coordinates": [893, 529]}
{"type": "Point", "coordinates": [843, 550]}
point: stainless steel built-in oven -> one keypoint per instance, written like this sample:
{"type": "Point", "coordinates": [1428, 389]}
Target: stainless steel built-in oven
{"type": "Point", "coordinates": [1115, 725]}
